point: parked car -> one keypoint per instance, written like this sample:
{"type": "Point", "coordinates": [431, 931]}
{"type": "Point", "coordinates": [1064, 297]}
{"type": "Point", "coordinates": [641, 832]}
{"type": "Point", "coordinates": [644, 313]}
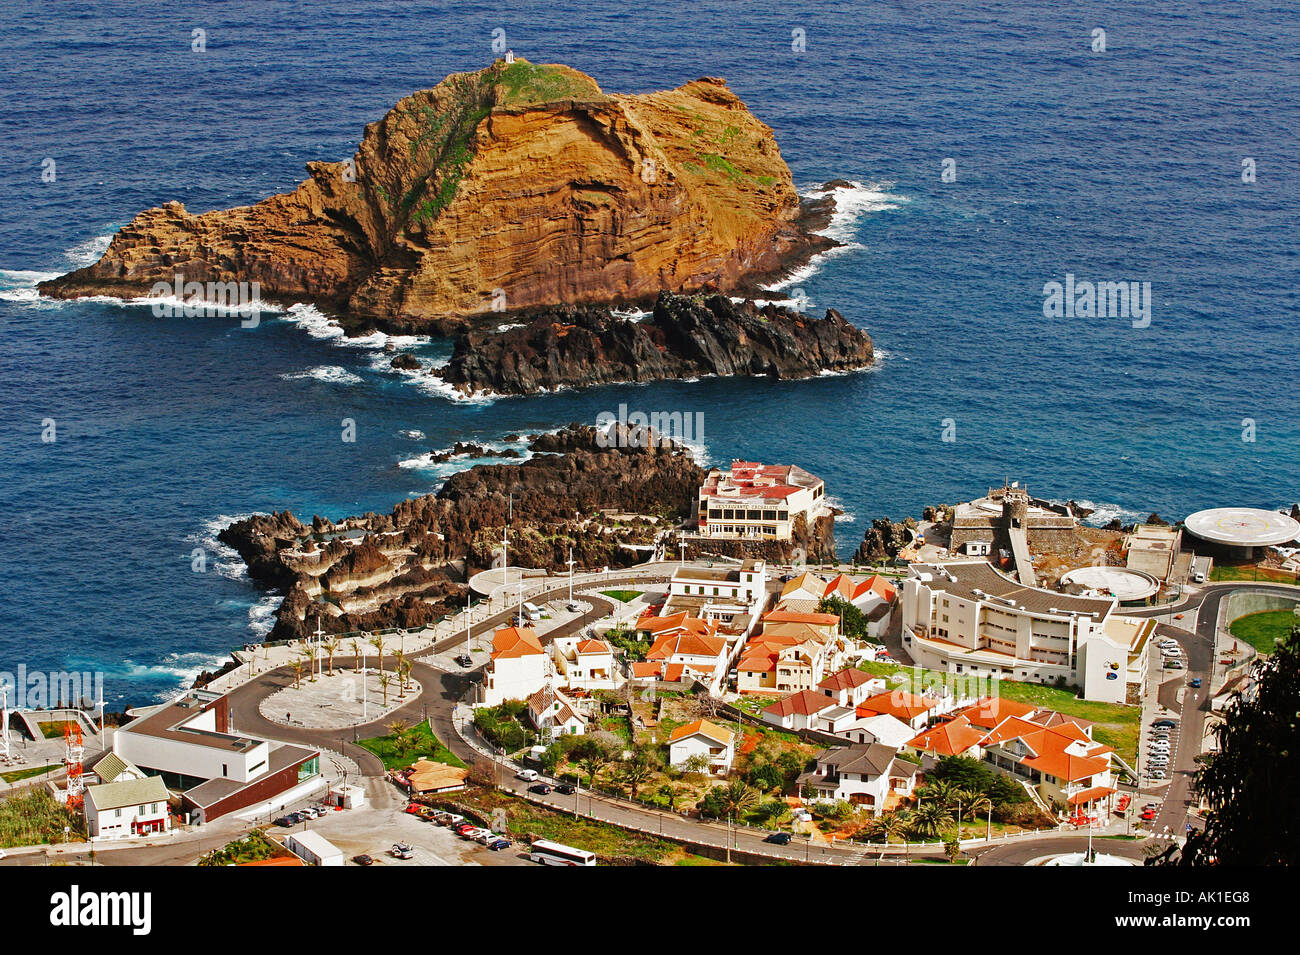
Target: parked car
{"type": "Point", "coordinates": [527, 775]}
{"type": "Point", "coordinates": [1147, 816]}
{"type": "Point", "coordinates": [464, 660]}
{"type": "Point", "coordinates": [496, 845]}
{"type": "Point", "coordinates": [487, 837]}
{"type": "Point", "coordinates": [286, 822]}
{"type": "Point", "coordinates": [473, 832]}
{"type": "Point", "coordinates": [540, 788]}
{"type": "Point", "coordinates": [463, 827]}
{"type": "Point", "coordinates": [452, 819]}
{"type": "Point", "coordinates": [567, 789]}
{"type": "Point", "coordinates": [1172, 664]}
{"type": "Point", "coordinates": [779, 839]}
{"type": "Point", "coordinates": [1166, 723]}
{"type": "Point", "coordinates": [363, 860]}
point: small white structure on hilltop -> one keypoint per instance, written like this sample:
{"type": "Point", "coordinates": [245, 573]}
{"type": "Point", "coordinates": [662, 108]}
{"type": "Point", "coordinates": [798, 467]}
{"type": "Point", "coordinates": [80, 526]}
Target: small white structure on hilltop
{"type": "Point", "coordinates": [510, 57]}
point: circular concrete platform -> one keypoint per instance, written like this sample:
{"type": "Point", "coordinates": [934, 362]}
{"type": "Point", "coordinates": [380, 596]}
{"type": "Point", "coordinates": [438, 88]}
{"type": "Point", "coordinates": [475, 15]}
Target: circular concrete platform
{"type": "Point", "coordinates": [1243, 526]}
{"type": "Point", "coordinates": [487, 582]}
{"type": "Point", "coordinates": [1120, 582]}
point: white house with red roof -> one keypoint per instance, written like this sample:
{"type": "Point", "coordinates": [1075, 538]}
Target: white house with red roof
{"type": "Point", "coordinates": [753, 501]}
{"type": "Point", "coordinates": [850, 686]}
{"type": "Point", "coordinates": [702, 738]}
{"type": "Point", "coordinates": [683, 647]}
{"type": "Point", "coordinates": [519, 667]}
{"type": "Point", "coordinates": [583, 662]}
{"type": "Point", "coordinates": [798, 711]}
{"type": "Point", "coordinates": [554, 714]}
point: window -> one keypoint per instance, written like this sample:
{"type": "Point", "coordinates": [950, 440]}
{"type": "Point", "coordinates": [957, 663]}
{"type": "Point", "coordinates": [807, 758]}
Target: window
{"type": "Point", "coordinates": [117, 813]}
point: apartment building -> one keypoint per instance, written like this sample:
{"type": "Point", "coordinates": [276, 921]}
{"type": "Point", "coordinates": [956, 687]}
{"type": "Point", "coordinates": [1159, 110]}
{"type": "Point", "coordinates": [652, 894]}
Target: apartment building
{"type": "Point", "coordinates": [752, 501]}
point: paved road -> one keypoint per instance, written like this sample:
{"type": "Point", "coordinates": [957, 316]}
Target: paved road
{"type": "Point", "coordinates": [1021, 853]}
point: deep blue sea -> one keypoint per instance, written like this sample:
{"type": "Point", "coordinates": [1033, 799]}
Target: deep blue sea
{"type": "Point", "coordinates": [1122, 165]}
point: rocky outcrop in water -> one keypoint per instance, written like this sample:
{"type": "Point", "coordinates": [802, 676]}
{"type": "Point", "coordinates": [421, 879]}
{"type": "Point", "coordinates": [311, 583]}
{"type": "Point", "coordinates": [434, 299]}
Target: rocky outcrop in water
{"type": "Point", "coordinates": [406, 568]}
{"type": "Point", "coordinates": [884, 539]}
{"type": "Point", "coordinates": [511, 187]}
{"type": "Point", "coordinates": [685, 337]}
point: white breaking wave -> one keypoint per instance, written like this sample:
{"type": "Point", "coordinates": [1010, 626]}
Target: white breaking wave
{"type": "Point", "coordinates": [330, 374]}
{"type": "Point", "coordinates": [852, 202]}
{"type": "Point", "coordinates": [261, 616]}
{"type": "Point", "coordinates": [1103, 514]}
{"type": "Point", "coordinates": [227, 561]}
{"type": "Point", "coordinates": [90, 251]}
{"type": "Point", "coordinates": [412, 434]}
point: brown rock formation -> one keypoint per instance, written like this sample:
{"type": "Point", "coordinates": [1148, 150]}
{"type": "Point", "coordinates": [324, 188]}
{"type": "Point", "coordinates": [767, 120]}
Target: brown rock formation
{"type": "Point", "coordinates": [515, 186]}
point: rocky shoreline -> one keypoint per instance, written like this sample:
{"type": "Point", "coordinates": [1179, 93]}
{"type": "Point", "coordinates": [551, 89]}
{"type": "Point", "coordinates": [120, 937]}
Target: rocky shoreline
{"type": "Point", "coordinates": [407, 568]}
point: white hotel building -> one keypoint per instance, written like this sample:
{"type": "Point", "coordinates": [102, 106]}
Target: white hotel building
{"type": "Point", "coordinates": [752, 501]}
{"type": "Point", "coordinates": [967, 617]}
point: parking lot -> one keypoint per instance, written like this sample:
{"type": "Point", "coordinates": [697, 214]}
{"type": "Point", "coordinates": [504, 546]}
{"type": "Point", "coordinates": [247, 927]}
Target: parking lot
{"type": "Point", "coordinates": [373, 831]}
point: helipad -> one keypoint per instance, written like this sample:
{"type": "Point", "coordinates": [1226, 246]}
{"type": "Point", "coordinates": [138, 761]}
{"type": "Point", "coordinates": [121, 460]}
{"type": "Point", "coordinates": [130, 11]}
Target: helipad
{"type": "Point", "coordinates": [1122, 583]}
{"type": "Point", "coordinates": [1243, 526]}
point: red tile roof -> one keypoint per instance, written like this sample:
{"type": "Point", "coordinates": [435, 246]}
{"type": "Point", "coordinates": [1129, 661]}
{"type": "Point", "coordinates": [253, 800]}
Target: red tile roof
{"type": "Point", "coordinates": [948, 739]}
{"type": "Point", "coordinates": [905, 706]}
{"type": "Point", "coordinates": [804, 703]}
{"type": "Point", "coordinates": [703, 728]}
{"type": "Point", "coordinates": [511, 642]}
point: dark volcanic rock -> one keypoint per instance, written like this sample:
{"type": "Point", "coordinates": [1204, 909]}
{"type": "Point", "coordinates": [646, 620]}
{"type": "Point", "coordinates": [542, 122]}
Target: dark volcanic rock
{"type": "Point", "coordinates": [406, 363]}
{"type": "Point", "coordinates": [884, 539]}
{"type": "Point", "coordinates": [579, 346]}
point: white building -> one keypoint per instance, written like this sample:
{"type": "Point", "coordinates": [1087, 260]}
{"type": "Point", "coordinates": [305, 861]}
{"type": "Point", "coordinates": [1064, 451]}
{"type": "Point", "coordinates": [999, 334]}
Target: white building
{"type": "Point", "coordinates": [967, 617]}
{"type": "Point", "coordinates": [554, 714]}
{"type": "Point", "coordinates": [132, 807]}
{"type": "Point", "coordinates": [313, 848]}
{"type": "Point", "coordinates": [519, 666]}
{"type": "Point", "coordinates": [702, 738]}
{"type": "Point", "coordinates": [584, 663]}
{"type": "Point", "coordinates": [752, 501]}
{"type": "Point", "coordinates": [869, 776]}
{"type": "Point", "coordinates": [730, 596]}
{"type": "Point", "coordinates": [193, 745]}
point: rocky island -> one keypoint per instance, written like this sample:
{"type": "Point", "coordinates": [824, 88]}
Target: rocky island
{"type": "Point", "coordinates": [512, 187]}
{"type": "Point", "coordinates": [576, 346]}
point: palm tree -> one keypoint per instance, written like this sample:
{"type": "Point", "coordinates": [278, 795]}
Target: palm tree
{"type": "Point", "coordinates": [894, 825]}
{"type": "Point", "coordinates": [975, 804]}
{"type": "Point", "coordinates": [591, 764]}
{"type": "Point", "coordinates": [398, 728]}
{"type": "Point", "coordinates": [384, 681]}
{"type": "Point", "coordinates": [297, 666]}
{"type": "Point", "coordinates": [309, 654]}
{"type": "Point", "coordinates": [331, 647]}
{"type": "Point", "coordinates": [356, 654]}
{"type": "Point", "coordinates": [942, 792]}
{"type": "Point", "coordinates": [635, 771]}
{"type": "Point", "coordinates": [377, 641]}
{"type": "Point", "coordinates": [670, 793]}
{"type": "Point", "coordinates": [738, 797]}
{"type": "Point", "coordinates": [930, 818]}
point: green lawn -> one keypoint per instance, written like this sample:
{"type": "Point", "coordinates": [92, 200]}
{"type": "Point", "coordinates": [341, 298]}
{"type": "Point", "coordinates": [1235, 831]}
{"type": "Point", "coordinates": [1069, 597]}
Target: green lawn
{"type": "Point", "coordinates": [1252, 572]}
{"type": "Point", "coordinates": [34, 817]}
{"type": "Point", "coordinates": [400, 752]}
{"type": "Point", "coordinates": [1261, 630]}
{"type": "Point", "coordinates": [14, 775]}
{"type": "Point", "coordinates": [53, 729]}
{"type": "Point", "coordinates": [622, 596]}
{"type": "Point", "coordinates": [1117, 725]}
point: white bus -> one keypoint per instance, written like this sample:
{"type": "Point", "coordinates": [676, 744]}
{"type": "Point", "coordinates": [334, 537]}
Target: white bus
{"type": "Point", "coordinates": [532, 611]}
{"type": "Point", "coordinates": [552, 853]}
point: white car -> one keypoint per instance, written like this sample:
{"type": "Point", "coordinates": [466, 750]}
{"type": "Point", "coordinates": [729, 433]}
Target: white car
{"type": "Point", "coordinates": [486, 836]}
{"type": "Point", "coordinates": [527, 775]}
{"type": "Point", "coordinates": [1158, 760]}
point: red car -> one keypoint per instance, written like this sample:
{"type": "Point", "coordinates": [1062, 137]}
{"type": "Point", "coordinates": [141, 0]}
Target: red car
{"type": "Point", "coordinates": [1148, 816]}
{"type": "Point", "coordinates": [463, 828]}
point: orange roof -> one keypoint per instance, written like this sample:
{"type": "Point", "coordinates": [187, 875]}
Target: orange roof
{"type": "Point", "coordinates": [275, 860]}
{"type": "Point", "coordinates": [845, 679]}
{"type": "Point", "coordinates": [841, 586]}
{"type": "Point", "coordinates": [876, 584]}
{"type": "Point", "coordinates": [789, 616]}
{"type": "Point", "coordinates": [905, 706]}
{"type": "Point", "coordinates": [593, 646]}
{"type": "Point", "coordinates": [805, 703]}
{"type": "Point", "coordinates": [677, 621]}
{"type": "Point", "coordinates": [948, 739]}
{"type": "Point", "coordinates": [1049, 748]}
{"type": "Point", "coordinates": [1089, 795]}
{"type": "Point", "coordinates": [989, 711]}
{"type": "Point", "coordinates": [511, 642]}
{"type": "Point", "coordinates": [761, 661]}
{"type": "Point", "coordinates": [646, 668]}
{"type": "Point", "coordinates": [704, 728]}
{"type": "Point", "coordinates": [669, 645]}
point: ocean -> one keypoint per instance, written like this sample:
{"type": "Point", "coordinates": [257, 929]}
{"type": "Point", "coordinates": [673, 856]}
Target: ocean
{"type": "Point", "coordinates": [992, 149]}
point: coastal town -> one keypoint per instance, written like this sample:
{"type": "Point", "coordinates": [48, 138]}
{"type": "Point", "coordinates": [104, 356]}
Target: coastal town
{"type": "Point", "coordinates": [998, 682]}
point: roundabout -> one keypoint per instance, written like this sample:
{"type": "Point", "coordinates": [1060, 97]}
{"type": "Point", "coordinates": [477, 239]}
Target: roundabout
{"type": "Point", "coordinates": [340, 700]}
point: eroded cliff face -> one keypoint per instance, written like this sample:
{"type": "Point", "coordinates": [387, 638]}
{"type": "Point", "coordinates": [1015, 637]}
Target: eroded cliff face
{"type": "Point", "coordinates": [515, 186]}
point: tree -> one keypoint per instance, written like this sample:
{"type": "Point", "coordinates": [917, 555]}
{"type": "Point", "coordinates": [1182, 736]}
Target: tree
{"type": "Point", "coordinates": [1252, 784]}
{"type": "Point", "coordinates": [331, 647]}
{"type": "Point", "coordinates": [398, 729]}
{"type": "Point", "coordinates": [636, 770]}
{"type": "Point", "coordinates": [734, 799]}
{"type": "Point", "coordinates": [356, 653]}
{"type": "Point", "coordinates": [953, 848]}
{"type": "Point", "coordinates": [384, 681]}
{"type": "Point", "coordinates": [592, 762]}
{"type": "Point", "coordinates": [893, 825]}
{"type": "Point", "coordinates": [297, 666]}
{"type": "Point", "coordinates": [773, 812]}
{"type": "Point", "coordinates": [377, 641]}
{"type": "Point", "coordinates": [930, 818]}
{"type": "Point", "coordinates": [942, 792]}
